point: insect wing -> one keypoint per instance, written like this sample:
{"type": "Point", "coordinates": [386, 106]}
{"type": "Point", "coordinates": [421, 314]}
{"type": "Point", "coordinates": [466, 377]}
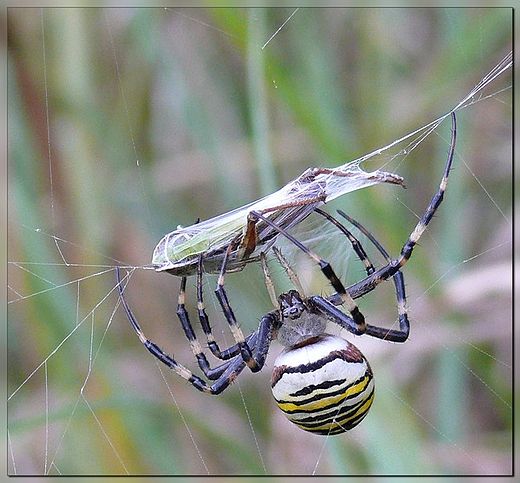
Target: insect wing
{"type": "Point", "coordinates": [178, 251]}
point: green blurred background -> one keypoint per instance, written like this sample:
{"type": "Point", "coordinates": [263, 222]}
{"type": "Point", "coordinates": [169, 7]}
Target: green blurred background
{"type": "Point", "coordinates": [154, 117]}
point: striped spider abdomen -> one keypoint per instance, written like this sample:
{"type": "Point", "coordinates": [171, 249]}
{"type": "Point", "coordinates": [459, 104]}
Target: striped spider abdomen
{"type": "Point", "coordinates": [323, 384]}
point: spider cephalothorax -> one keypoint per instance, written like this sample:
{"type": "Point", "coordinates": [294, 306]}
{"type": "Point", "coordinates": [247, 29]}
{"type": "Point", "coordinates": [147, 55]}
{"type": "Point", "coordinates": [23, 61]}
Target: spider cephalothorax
{"type": "Point", "coordinates": [291, 305]}
{"type": "Point", "coordinates": [297, 321]}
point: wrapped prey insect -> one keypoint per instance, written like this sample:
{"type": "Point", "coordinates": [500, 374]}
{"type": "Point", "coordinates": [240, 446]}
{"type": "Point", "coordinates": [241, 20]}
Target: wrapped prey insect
{"type": "Point", "coordinates": [244, 235]}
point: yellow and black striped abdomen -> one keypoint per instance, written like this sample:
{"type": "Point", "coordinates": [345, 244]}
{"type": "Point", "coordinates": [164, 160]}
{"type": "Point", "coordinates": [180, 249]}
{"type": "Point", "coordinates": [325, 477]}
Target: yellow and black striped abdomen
{"type": "Point", "coordinates": [324, 385]}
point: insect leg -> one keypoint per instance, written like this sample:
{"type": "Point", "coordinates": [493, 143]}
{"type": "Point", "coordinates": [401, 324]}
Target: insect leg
{"type": "Point", "coordinates": [268, 280]}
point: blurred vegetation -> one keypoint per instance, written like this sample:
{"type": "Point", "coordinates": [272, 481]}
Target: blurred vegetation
{"type": "Point", "coordinates": [154, 117]}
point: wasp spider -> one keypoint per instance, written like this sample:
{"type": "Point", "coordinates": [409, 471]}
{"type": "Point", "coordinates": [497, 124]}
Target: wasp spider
{"type": "Point", "coordinates": [321, 382]}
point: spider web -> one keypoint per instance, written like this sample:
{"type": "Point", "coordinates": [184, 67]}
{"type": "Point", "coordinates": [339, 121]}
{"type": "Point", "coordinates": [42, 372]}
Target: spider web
{"type": "Point", "coordinates": [80, 383]}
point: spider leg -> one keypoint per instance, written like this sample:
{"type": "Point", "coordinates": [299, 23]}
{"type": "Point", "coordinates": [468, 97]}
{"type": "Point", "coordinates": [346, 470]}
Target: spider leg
{"type": "Point", "coordinates": [245, 350]}
{"type": "Point", "coordinates": [404, 325]}
{"type": "Point", "coordinates": [225, 354]}
{"type": "Point", "coordinates": [182, 313]}
{"type": "Point", "coordinates": [356, 316]}
{"type": "Point", "coordinates": [264, 336]}
{"type": "Point", "coordinates": [400, 335]}
{"type": "Point", "coordinates": [331, 312]}
{"type": "Point", "coordinates": [260, 343]}
{"type": "Point", "coordinates": [356, 245]}
{"type": "Point", "coordinates": [204, 322]}
{"type": "Point", "coordinates": [393, 266]}
{"type": "Point", "coordinates": [155, 350]}
{"type": "Point", "coordinates": [227, 372]}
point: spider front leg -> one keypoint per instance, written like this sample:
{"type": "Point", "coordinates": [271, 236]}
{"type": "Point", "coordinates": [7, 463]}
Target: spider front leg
{"type": "Point", "coordinates": [393, 266]}
{"type": "Point", "coordinates": [356, 244]}
{"type": "Point", "coordinates": [402, 334]}
{"type": "Point", "coordinates": [357, 320]}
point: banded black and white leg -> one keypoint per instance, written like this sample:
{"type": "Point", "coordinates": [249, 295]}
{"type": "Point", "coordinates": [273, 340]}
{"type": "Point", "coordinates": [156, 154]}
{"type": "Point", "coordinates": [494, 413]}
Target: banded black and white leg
{"type": "Point", "coordinates": [225, 373]}
{"type": "Point", "coordinates": [317, 303]}
{"type": "Point", "coordinates": [243, 346]}
{"type": "Point", "coordinates": [204, 320]}
{"type": "Point", "coordinates": [222, 354]}
{"type": "Point", "coordinates": [240, 341]}
{"type": "Point", "coordinates": [393, 266]}
{"type": "Point", "coordinates": [356, 319]}
{"type": "Point", "coordinates": [354, 242]}
{"type": "Point", "coordinates": [182, 314]}
{"type": "Point", "coordinates": [393, 335]}
{"type": "Point", "coordinates": [356, 323]}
